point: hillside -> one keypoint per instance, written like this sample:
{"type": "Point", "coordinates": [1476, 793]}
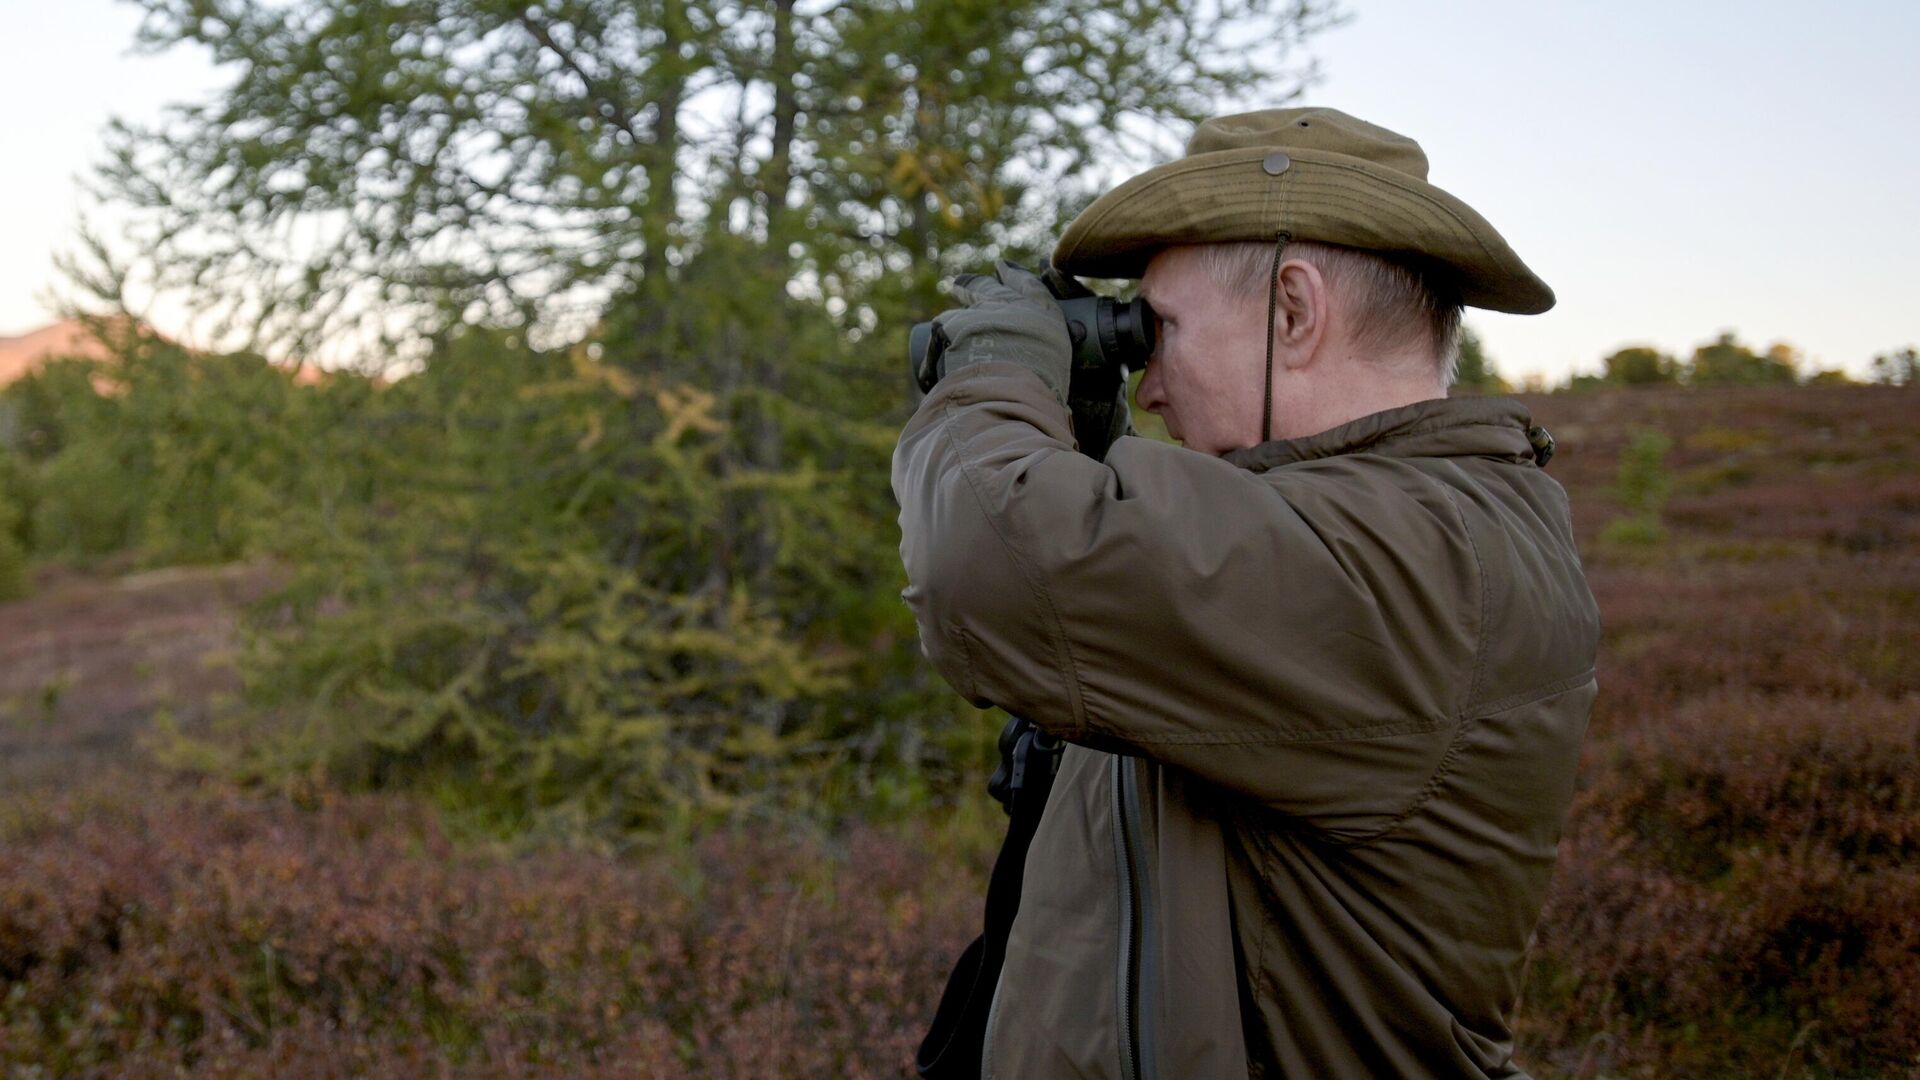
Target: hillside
{"type": "Point", "coordinates": [23, 354]}
{"type": "Point", "coordinates": [1738, 891]}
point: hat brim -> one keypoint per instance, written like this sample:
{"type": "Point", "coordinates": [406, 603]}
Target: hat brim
{"type": "Point", "coordinates": [1228, 196]}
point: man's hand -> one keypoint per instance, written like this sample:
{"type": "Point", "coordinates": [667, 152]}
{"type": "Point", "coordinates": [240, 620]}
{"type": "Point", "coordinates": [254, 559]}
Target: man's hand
{"type": "Point", "coordinates": [1008, 316]}
{"type": "Point", "coordinates": [1012, 316]}
{"type": "Point", "coordinates": [1099, 421]}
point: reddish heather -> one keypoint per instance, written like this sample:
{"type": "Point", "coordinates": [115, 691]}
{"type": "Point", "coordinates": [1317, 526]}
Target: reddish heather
{"type": "Point", "coordinates": [1738, 892]}
{"type": "Point", "coordinates": [240, 937]}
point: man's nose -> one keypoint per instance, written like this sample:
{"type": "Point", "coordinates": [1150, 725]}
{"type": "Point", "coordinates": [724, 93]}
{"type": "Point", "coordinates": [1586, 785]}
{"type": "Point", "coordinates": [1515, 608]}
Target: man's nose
{"type": "Point", "coordinates": [1149, 394]}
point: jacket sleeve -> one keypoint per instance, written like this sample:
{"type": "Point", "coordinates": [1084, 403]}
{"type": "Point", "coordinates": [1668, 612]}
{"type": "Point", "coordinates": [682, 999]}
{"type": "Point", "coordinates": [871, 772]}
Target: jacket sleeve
{"type": "Point", "coordinates": [1306, 637]}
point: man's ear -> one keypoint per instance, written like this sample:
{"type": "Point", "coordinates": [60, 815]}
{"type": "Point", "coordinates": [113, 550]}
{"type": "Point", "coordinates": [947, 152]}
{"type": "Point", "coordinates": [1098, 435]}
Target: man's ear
{"type": "Point", "coordinates": [1300, 317]}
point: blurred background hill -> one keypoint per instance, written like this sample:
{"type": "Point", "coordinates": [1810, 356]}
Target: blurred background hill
{"type": "Point", "coordinates": [22, 354]}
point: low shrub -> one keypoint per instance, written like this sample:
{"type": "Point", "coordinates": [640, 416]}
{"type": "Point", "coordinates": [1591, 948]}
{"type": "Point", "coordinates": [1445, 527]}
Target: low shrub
{"type": "Point", "coordinates": [1738, 889]}
{"type": "Point", "coordinates": [13, 553]}
{"type": "Point", "coordinates": [224, 935]}
{"type": "Point", "coordinates": [1640, 530]}
{"type": "Point", "coordinates": [1838, 629]}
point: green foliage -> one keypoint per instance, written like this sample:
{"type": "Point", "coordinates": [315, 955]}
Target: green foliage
{"type": "Point", "coordinates": [527, 610]}
{"type": "Point", "coordinates": [1475, 371]}
{"type": "Point", "coordinates": [176, 456]}
{"type": "Point", "coordinates": [1898, 368]}
{"type": "Point", "coordinates": [58, 397]}
{"type": "Point", "coordinates": [13, 549]}
{"type": "Point", "coordinates": [1636, 531]}
{"type": "Point", "coordinates": [1640, 366]}
{"type": "Point", "coordinates": [1726, 362]}
{"type": "Point", "coordinates": [219, 438]}
{"type": "Point", "coordinates": [1644, 482]}
{"type": "Point", "coordinates": [1642, 487]}
{"type": "Point", "coordinates": [94, 502]}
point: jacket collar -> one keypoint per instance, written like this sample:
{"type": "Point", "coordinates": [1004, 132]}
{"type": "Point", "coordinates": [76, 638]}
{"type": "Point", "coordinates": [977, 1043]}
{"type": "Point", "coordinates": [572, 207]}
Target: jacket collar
{"type": "Point", "coordinates": [1442, 427]}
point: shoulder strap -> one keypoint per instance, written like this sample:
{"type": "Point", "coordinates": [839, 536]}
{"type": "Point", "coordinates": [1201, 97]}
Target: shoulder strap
{"type": "Point", "coordinates": [954, 1044]}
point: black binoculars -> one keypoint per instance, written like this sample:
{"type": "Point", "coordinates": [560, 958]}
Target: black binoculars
{"type": "Point", "coordinates": [1110, 337]}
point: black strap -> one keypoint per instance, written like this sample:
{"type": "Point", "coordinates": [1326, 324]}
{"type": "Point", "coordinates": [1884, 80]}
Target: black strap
{"type": "Point", "coordinates": [1280, 241]}
{"type": "Point", "coordinates": [955, 1042]}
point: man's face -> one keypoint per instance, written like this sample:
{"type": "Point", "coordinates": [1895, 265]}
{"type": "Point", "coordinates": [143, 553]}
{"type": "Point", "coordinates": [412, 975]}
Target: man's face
{"type": "Point", "coordinates": [1209, 356]}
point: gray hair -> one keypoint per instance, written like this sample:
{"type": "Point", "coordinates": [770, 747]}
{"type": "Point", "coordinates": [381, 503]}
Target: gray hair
{"type": "Point", "coordinates": [1394, 303]}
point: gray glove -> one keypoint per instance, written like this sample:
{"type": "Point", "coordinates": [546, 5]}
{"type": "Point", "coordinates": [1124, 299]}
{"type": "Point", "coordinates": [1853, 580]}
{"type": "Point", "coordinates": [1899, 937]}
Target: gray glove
{"type": "Point", "coordinates": [1099, 421]}
{"type": "Point", "coordinates": [1009, 316]}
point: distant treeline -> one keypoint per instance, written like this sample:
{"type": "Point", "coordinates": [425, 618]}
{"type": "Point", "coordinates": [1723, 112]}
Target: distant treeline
{"type": "Point", "coordinates": [1725, 361]}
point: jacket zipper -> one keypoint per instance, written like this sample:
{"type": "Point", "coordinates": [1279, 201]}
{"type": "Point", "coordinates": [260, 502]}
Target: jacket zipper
{"type": "Point", "coordinates": [1138, 952]}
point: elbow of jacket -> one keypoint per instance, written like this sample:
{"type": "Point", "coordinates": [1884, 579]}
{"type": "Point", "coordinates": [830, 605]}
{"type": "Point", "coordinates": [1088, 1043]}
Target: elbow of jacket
{"type": "Point", "coordinates": [951, 594]}
{"type": "Point", "coordinates": [967, 594]}
{"type": "Point", "coordinates": [942, 641]}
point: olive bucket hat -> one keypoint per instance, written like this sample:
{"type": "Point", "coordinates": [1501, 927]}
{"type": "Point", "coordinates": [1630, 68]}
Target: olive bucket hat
{"type": "Point", "coordinates": [1312, 174]}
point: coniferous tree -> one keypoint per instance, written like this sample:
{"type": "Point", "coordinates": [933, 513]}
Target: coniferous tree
{"type": "Point", "coordinates": [629, 531]}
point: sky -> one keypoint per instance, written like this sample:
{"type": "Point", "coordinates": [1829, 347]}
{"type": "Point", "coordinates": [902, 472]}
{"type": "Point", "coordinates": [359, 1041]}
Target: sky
{"type": "Point", "coordinates": [1673, 170]}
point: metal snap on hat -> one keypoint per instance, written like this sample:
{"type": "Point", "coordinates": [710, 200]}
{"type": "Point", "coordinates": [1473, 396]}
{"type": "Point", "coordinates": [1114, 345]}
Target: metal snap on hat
{"type": "Point", "coordinates": [1315, 173]}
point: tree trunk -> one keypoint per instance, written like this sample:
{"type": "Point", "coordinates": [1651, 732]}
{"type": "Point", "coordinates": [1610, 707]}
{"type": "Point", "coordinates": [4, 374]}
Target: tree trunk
{"type": "Point", "coordinates": [767, 446]}
{"type": "Point", "coordinates": [662, 157]}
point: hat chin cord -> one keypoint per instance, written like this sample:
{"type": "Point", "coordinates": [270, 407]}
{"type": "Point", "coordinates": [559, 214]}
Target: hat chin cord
{"type": "Point", "coordinates": [1280, 240]}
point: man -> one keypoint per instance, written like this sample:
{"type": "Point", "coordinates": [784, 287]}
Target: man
{"type": "Point", "coordinates": [1324, 671]}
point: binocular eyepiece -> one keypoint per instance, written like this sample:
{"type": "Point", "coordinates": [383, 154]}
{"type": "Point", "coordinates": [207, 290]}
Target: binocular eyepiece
{"type": "Point", "coordinates": [1110, 337]}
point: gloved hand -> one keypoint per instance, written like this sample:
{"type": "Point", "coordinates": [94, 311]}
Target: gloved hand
{"type": "Point", "coordinates": [1099, 421]}
{"type": "Point", "coordinates": [1008, 316]}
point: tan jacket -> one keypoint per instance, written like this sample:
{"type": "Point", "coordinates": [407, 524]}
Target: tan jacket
{"type": "Point", "coordinates": [1326, 698]}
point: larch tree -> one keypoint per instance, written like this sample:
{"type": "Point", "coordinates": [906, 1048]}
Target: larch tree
{"type": "Point", "coordinates": [704, 225]}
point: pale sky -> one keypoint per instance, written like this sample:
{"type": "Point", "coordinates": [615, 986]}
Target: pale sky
{"type": "Point", "coordinates": [1672, 169]}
